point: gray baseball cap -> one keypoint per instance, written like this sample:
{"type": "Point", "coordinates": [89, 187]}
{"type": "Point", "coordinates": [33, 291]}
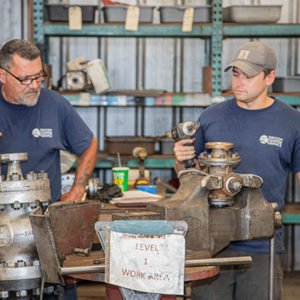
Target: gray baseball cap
{"type": "Point", "coordinates": [252, 58]}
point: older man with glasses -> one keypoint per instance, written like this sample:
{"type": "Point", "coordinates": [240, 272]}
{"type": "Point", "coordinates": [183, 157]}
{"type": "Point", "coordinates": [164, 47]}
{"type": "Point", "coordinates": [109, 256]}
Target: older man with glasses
{"type": "Point", "coordinates": [41, 122]}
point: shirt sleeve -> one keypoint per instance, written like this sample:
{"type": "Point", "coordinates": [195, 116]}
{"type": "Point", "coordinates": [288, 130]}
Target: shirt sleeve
{"type": "Point", "coordinates": [296, 153]}
{"type": "Point", "coordinates": [77, 135]}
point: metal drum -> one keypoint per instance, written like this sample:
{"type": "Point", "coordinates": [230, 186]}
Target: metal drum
{"type": "Point", "coordinates": [20, 275]}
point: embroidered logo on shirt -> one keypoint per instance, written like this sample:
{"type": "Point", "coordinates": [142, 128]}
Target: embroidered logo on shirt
{"type": "Point", "coordinates": [271, 140]}
{"type": "Point", "coordinates": [42, 132]}
{"type": "Point", "coordinates": [244, 54]}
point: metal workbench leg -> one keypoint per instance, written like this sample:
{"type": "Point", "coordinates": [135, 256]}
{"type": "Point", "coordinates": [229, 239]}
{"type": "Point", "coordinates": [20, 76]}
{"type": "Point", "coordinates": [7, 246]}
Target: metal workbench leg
{"type": "Point", "coordinates": [271, 268]}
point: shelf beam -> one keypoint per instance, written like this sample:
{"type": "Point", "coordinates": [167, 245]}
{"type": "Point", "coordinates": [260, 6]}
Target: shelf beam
{"type": "Point", "coordinates": [157, 162]}
{"type": "Point", "coordinates": [261, 30]}
{"type": "Point", "coordinates": [174, 30]}
{"type": "Point", "coordinates": [118, 30]}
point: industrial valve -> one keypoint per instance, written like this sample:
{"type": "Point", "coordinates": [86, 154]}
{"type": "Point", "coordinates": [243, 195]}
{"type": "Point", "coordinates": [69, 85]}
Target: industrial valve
{"type": "Point", "coordinates": [19, 264]}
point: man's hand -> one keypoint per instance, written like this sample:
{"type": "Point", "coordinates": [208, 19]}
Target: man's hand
{"type": "Point", "coordinates": [183, 150]}
{"type": "Point", "coordinates": [85, 167]}
{"type": "Point", "coordinates": [76, 194]}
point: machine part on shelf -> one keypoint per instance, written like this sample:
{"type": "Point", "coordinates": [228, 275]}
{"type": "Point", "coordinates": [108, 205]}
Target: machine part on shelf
{"type": "Point", "coordinates": [241, 213]}
{"type": "Point", "coordinates": [20, 274]}
{"type": "Point", "coordinates": [185, 130]}
{"type": "Point", "coordinates": [219, 161]}
{"type": "Point", "coordinates": [76, 81]}
{"type": "Point", "coordinates": [140, 153]}
{"type": "Point", "coordinates": [169, 187]}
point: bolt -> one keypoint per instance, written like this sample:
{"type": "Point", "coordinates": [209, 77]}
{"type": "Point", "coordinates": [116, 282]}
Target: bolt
{"type": "Point", "coordinates": [21, 293]}
{"type": "Point", "coordinates": [274, 205]}
{"type": "Point", "coordinates": [32, 204]}
{"type": "Point", "coordinates": [30, 175]}
{"type": "Point", "coordinates": [82, 251]}
{"type": "Point", "coordinates": [36, 292]}
{"type": "Point", "coordinates": [16, 205]}
{"type": "Point", "coordinates": [36, 262]}
{"type": "Point", "coordinates": [4, 294]}
{"type": "Point", "coordinates": [20, 263]}
{"type": "Point", "coordinates": [236, 186]}
{"type": "Point", "coordinates": [42, 175]}
{"type": "Point", "coordinates": [3, 263]}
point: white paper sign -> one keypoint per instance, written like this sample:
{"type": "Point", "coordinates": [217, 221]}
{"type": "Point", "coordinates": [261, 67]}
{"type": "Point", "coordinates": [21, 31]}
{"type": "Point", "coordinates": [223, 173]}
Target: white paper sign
{"type": "Point", "coordinates": [75, 18]}
{"type": "Point", "coordinates": [132, 18]}
{"type": "Point", "coordinates": [147, 263]}
{"type": "Point", "coordinates": [188, 18]}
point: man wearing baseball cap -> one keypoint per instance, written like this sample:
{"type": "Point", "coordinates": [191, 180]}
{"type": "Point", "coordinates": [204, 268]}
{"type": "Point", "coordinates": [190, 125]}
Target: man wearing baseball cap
{"type": "Point", "coordinates": [266, 134]}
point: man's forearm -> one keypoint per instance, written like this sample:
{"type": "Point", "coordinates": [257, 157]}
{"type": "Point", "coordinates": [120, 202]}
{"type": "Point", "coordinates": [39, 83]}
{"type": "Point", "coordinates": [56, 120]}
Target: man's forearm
{"type": "Point", "coordinates": [85, 165]}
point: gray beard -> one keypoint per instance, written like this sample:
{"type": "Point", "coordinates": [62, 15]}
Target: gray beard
{"type": "Point", "coordinates": [30, 101]}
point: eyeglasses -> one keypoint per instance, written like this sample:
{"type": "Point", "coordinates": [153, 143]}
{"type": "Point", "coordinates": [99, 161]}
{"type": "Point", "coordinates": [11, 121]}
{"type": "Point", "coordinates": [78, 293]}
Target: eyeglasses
{"type": "Point", "coordinates": [28, 81]}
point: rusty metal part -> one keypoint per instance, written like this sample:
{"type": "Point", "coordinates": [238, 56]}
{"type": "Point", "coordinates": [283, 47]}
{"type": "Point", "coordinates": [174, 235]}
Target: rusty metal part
{"type": "Point", "coordinates": [218, 154]}
{"type": "Point", "coordinates": [220, 162]}
{"type": "Point", "coordinates": [64, 227]}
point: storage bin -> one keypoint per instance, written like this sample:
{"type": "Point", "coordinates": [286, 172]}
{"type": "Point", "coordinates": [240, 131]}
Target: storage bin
{"type": "Point", "coordinates": [252, 13]}
{"type": "Point", "coordinates": [60, 12]}
{"type": "Point", "coordinates": [125, 144]}
{"type": "Point", "coordinates": [286, 84]}
{"type": "Point", "coordinates": [174, 14]}
{"type": "Point", "coordinates": [117, 14]}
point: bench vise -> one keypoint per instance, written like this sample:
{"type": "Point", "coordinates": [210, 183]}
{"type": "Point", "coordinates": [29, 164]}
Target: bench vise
{"type": "Point", "coordinates": [219, 205]}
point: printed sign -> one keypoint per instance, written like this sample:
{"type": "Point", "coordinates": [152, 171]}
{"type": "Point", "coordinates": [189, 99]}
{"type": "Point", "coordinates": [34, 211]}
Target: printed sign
{"type": "Point", "coordinates": [75, 18]}
{"type": "Point", "coordinates": [132, 18]}
{"type": "Point", "coordinates": [147, 263]}
{"type": "Point", "coordinates": [188, 18]}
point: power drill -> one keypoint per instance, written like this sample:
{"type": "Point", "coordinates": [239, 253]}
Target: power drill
{"type": "Point", "coordinates": [185, 130]}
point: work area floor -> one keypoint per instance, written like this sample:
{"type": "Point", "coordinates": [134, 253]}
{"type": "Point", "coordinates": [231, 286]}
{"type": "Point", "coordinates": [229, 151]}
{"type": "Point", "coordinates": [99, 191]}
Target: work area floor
{"type": "Point", "coordinates": [96, 291]}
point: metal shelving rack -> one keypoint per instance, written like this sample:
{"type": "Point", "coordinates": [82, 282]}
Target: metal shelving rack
{"type": "Point", "coordinates": [214, 32]}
